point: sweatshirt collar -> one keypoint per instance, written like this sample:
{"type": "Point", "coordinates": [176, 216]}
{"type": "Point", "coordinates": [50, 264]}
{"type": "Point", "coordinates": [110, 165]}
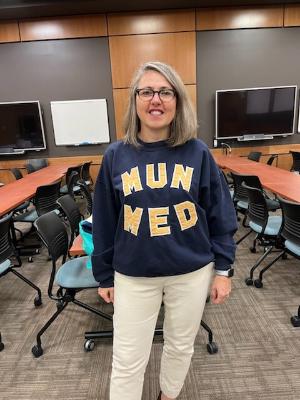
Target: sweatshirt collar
{"type": "Point", "coordinates": [151, 146]}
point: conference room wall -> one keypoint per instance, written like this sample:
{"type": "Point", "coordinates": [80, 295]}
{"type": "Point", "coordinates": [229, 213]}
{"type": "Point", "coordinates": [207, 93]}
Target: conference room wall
{"type": "Point", "coordinates": [55, 70]}
{"type": "Point", "coordinates": [162, 21]}
{"type": "Point", "coordinates": [231, 59]}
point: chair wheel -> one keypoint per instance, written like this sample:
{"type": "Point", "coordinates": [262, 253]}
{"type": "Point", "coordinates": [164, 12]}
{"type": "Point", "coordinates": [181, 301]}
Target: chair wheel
{"type": "Point", "coordinates": [30, 259]}
{"type": "Point", "coordinates": [295, 320]}
{"type": "Point", "coordinates": [37, 351]}
{"type": "Point", "coordinates": [37, 301]}
{"type": "Point", "coordinates": [89, 345]}
{"type": "Point", "coordinates": [253, 249]}
{"type": "Point", "coordinates": [258, 283]}
{"type": "Point", "coordinates": [249, 281]}
{"type": "Point", "coordinates": [1, 346]}
{"type": "Point", "coordinates": [212, 348]}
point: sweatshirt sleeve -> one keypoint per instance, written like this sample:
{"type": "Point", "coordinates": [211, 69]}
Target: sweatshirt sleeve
{"type": "Point", "coordinates": [105, 219]}
{"type": "Point", "coordinates": [220, 214]}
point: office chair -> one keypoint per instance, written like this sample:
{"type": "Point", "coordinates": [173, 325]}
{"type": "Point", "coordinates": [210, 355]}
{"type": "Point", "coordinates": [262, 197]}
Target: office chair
{"type": "Point", "coordinates": [296, 161]}
{"type": "Point", "coordinates": [71, 187]}
{"type": "Point", "coordinates": [290, 235]}
{"type": "Point", "coordinates": [71, 277]}
{"type": "Point", "coordinates": [18, 175]}
{"type": "Point", "coordinates": [71, 210]}
{"type": "Point", "coordinates": [84, 189]}
{"type": "Point", "coordinates": [266, 227]}
{"type": "Point", "coordinates": [7, 251]}
{"type": "Point", "coordinates": [272, 158]}
{"type": "Point", "coordinates": [35, 164]}
{"type": "Point", "coordinates": [211, 346]}
{"type": "Point", "coordinates": [44, 201]}
{"type": "Point", "coordinates": [254, 155]}
{"type": "Point", "coordinates": [240, 197]}
{"type": "Point", "coordinates": [85, 173]}
{"type": "Point", "coordinates": [1, 343]}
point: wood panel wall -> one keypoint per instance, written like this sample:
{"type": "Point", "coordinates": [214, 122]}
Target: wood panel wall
{"type": "Point", "coordinates": [292, 15]}
{"type": "Point", "coordinates": [239, 17]}
{"type": "Point", "coordinates": [9, 31]}
{"type": "Point", "coordinates": [63, 27]}
{"type": "Point", "coordinates": [136, 37]}
{"type": "Point", "coordinates": [162, 21]}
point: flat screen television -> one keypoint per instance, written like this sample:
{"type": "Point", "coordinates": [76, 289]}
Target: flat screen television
{"type": "Point", "coordinates": [21, 127]}
{"type": "Point", "coordinates": [255, 113]}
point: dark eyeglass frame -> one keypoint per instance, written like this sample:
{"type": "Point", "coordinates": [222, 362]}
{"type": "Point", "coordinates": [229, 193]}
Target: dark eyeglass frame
{"type": "Point", "coordinates": [137, 91]}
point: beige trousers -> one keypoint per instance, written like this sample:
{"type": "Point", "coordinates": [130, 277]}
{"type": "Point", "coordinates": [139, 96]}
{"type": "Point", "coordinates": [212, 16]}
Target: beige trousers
{"type": "Point", "coordinates": [136, 307]}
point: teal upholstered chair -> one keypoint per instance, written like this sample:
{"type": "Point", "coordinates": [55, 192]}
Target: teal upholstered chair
{"type": "Point", "coordinates": [266, 227]}
{"type": "Point", "coordinates": [71, 277]}
{"type": "Point", "coordinates": [290, 234]}
{"type": "Point", "coordinates": [7, 251]}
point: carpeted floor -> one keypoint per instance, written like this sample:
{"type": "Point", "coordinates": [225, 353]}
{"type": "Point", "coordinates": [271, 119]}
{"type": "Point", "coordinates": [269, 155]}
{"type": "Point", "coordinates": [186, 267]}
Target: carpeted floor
{"type": "Point", "coordinates": [258, 356]}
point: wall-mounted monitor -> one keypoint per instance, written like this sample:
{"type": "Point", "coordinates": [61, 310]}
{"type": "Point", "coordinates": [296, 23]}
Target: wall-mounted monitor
{"type": "Point", "coordinates": [21, 127]}
{"type": "Point", "coordinates": [255, 113]}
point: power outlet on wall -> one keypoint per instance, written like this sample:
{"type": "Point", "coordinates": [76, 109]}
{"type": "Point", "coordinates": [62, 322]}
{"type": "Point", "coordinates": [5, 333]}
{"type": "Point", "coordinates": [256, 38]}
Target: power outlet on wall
{"type": "Point", "coordinates": [215, 143]}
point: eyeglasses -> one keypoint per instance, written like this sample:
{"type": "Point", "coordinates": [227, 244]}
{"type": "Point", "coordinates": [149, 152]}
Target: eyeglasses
{"type": "Point", "coordinates": [148, 94]}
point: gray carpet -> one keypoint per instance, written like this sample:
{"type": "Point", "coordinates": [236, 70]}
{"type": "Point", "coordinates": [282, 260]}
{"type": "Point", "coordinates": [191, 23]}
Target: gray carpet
{"type": "Point", "coordinates": [258, 354]}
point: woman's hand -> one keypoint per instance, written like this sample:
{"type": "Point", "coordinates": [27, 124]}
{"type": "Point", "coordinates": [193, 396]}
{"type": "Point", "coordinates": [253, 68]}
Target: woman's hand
{"type": "Point", "coordinates": [107, 294]}
{"type": "Point", "coordinates": [220, 289]}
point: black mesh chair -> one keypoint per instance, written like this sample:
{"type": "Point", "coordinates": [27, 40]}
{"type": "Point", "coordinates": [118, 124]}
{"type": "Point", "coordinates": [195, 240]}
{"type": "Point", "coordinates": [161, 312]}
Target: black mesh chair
{"type": "Point", "coordinates": [84, 189]}
{"type": "Point", "coordinates": [35, 164]}
{"type": "Point", "coordinates": [290, 234]}
{"type": "Point", "coordinates": [71, 210]}
{"type": "Point", "coordinates": [71, 277]}
{"type": "Point", "coordinates": [272, 158]}
{"type": "Point", "coordinates": [18, 175]}
{"type": "Point", "coordinates": [1, 343]}
{"type": "Point", "coordinates": [254, 155]}
{"type": "Point", "coordinates": [85, 173]}
{"type": "Point", "coordinates": [44, 201]}
{"type": "Point", "coordinates": [254, 181]}
{"type": "Point", "coordinates": [265, 226]}
{"type": "Point", "coordinates": [72, 177]}
{"type": "Point", "coordinates": [7, 251]}
{"type": "Point", "coordinates": [296, 161]}
{"type": "Point", "coordinates": [240, 196]}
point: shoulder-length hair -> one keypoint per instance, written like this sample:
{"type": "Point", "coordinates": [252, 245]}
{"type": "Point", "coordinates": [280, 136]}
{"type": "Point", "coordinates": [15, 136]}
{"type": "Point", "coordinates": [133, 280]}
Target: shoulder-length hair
{"type": "Point", "coordinates": [184, 125]}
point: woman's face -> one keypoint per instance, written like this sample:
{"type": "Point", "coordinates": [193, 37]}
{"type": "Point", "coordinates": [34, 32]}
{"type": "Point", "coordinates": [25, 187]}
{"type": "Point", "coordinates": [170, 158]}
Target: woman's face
{"type": "Point", "coordinates": [155, 114]}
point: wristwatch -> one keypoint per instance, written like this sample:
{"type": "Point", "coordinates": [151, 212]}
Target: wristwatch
{"type": "Point", "coordinates": [228, 272]}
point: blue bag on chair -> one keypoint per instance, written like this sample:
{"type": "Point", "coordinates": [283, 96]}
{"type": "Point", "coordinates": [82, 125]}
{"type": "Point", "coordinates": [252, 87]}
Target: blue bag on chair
{"type": "Point", "coordinates": [85, 230]}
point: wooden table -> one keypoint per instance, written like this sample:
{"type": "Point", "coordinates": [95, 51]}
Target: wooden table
{"type": "Point", "coordinates": [15, 193]}
{"type": "Point", "coordinates": [277, 180]}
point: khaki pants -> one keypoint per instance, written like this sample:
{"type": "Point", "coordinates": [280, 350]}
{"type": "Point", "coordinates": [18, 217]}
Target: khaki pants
{"type": "Point", "coordinates": [136, 307]}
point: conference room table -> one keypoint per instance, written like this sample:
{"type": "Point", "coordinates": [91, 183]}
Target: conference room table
{"type": "Point", "coordinates": [15, 193]}
{"type": "Point", "coordinates": [279, 181]}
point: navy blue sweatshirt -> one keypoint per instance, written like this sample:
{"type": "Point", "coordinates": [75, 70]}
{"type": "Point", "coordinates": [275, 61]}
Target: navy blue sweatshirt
{"type": "Point", "coordinates": [160, 211]}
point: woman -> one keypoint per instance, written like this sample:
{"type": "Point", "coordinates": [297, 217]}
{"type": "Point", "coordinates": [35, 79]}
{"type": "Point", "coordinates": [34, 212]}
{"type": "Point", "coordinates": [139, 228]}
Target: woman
{"type": "Point", "coordinates": [163, 220]}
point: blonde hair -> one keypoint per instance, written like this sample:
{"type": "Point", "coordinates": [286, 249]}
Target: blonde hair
{"type": "Point", "coordinates": [184, 125]}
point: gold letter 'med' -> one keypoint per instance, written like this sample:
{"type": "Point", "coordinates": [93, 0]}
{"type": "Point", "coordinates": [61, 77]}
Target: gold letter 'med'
{"type": "Point", "coordinates": [183, 176]}
{"type": "Point", "coordinates": [158, 216]}
{"type": "Point", "coordinates": [181, 215]}
{"type": "Point", "coordinates": [132, 219]}
{"type": "Point", "coordinates": [131, 181]}
{"type": "Point", "coordinates": [162, 176]}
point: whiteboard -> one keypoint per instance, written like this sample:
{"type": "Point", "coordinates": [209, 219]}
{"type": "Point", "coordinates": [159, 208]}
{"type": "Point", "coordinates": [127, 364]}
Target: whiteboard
{"type": "Point", "coordinates": [80, 122]}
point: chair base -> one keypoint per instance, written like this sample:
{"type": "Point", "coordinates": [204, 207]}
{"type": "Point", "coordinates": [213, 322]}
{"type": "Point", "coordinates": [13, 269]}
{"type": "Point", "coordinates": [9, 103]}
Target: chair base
{"type": "Point", "coordinates": [295, 320]}
{"type": "Point", "coordinates": [89, 345]}
{"type": "Point", "coordinates": [1, 344]}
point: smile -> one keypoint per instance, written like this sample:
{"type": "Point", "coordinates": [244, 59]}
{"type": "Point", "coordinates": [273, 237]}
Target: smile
{"type": "Point", "coordinates": [155, 112]}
